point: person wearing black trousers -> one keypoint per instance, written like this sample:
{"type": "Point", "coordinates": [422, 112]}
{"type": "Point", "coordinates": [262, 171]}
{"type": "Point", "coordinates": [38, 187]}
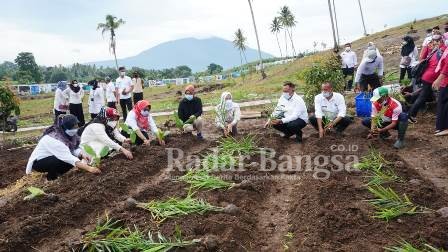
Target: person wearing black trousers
{"type": "Point", "coordinates": [125, 89]}
{"type": "Point", "coordinates": [409, 57]}
{"type": "Point", "coordinates": [75, 94]}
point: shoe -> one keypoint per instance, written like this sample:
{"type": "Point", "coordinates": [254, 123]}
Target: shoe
{"type": "Point", "coordinates": [437, 131]}
{"type": "Point", "coordinates": [442, 133]}
{"type": "Point", "coordinates": [399, 144]}
{"type": "Point", "coordinates": [199, 136]}
{"type": "Point", "coordinates": [402, 127]}
{"type": "Point", "coordinates": [412, 119]}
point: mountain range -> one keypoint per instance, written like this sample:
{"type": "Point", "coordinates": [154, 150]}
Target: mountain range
{"type": "Point", "coordinates": [193, 52]}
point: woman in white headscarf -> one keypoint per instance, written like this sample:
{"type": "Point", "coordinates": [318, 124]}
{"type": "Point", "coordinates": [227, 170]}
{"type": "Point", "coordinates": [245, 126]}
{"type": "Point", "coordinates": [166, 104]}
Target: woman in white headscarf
{"type": "Point", "coordinates": [228, 114]}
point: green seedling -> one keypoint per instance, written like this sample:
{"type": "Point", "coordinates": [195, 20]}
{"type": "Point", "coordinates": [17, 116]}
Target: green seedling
{"type": "Point", "coordinates": [407, 247]}
{"type": "Point", "coordinates": [95, 157]}
{"type": "Point", "coordinates": [380, 176]}
{"type": "Point", "coordinates": [245, 146]}
{"type": "Point", "coordinates": [221, 113]}
{"type": "Point", "coordinates": [215, 161]}
{"type": "Point", "coordinates": [372, 161]}
{"type": "Point", "coordinates": [377, 120]}
{"type": "Point", "coordinates": [201, 179]}
{"type": "Point", "coordinates": [130, 132]}
{"type": "Point", "coordinates": [110, 236]}
{"type": "Point", "coordinates": [34, 193]}
{"type": "Point", "coordinates": [175, 207]}
{"type": "Point", "coordinates": [162, 135]}
{"type": "Point", "coordinates": [179, 123]}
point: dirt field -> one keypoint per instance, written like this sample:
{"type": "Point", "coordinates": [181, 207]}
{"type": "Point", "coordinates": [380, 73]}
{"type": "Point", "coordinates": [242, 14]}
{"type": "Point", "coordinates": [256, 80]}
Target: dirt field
{"type": "Point", "coordinates": [296, 212]}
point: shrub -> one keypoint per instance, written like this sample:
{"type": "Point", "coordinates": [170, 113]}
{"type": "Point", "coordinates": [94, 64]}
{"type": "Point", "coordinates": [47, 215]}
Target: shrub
{"type": "Point", "coordinates": [326, 69]}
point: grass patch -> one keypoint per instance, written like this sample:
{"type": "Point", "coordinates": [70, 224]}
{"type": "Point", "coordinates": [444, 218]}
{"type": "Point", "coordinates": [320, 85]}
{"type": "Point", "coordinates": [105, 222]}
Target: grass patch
{"type": "Point", "coordinates": [407, 247]}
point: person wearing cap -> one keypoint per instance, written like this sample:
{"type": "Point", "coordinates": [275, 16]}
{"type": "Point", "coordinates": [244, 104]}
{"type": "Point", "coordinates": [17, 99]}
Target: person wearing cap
{"type": "Point", "coordinates": [138, 87]}
{"type": "Point", "coordinates": [141, 122]}
{"type": "Point", "coordinates": [329, 106]}
{"type": "Point", "coordinates": [103, 132]}
{"type": "Point", "coordinates": [58, 150]}
{"type": "Point", "coordinates": [96, 98]}
{"type": "Point", "coordinates": [290, 115]}
{"type": "Point", "coordinates": [392, 117]}
{"type": "Point", "coordinates": [429, 74]}
{"type": "Point", "coordinates": [228, 114]}
{"type": "Point", "coordinates": [61, 102]}
{"type": "Point", "coordinates": [111, 93]}
{"type": "Point", "coordinates": [349, 63]}
{"type": "Point", "coordinates": [74, 94]}
{"type": "Point", "coordinates": [370, 46]}
{"type": "Point", "coordinates": [441, 83]}
{"type": "Point", "coordinates": [370, 71]}
{"type": "Point", "coordinates": [409, 57]}
{"type": "Point", "coordinates": [125, 88]}
{"type": "Point", "coordinates": [190, 109]}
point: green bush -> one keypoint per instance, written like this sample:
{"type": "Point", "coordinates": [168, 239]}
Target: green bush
{"type": "Point", "coordinates": [326, 69]}
{"type": "Point", "coordinates": [9, 102]}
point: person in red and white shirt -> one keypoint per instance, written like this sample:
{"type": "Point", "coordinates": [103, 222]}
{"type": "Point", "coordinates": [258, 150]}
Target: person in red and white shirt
{"type": "Point", "coordinates": [391, 117]}
{"type": "Point", "coordinates": [441, 83]}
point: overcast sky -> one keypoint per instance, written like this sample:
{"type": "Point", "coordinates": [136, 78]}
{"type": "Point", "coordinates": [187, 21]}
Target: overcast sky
{"type": "Point", "coordinates": [64, 31]}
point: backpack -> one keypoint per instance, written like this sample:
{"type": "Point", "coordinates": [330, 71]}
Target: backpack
{"type": "Point", "coordinates": [418, 70]}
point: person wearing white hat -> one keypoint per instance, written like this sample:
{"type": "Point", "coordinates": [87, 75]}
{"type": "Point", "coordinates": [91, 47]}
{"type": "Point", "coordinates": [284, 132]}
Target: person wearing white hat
{"type": "Point", "coordinates": [370, 72]}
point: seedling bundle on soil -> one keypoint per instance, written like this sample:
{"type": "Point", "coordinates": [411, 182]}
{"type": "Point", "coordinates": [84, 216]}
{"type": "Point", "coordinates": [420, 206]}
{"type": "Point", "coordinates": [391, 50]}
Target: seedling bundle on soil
{"type": "Point", "coordinates": [201, 179]}
{"type": "Point", "coordinates": [34, 193]}
{"type": "Point", "coordinates": [372, 161]}
{"type": "Point", "coordinates": [390, 205]}
{"type": "Point", "coordinates": [96, 159]}
{"type": "Point", "coordinates": [179, 123]}
{"type": "Point", "coordinates": [247, 145]}
{"type": "Point", "coordinates": [130, 132]}
{"type": "Point", "coordinates": [407, 247]}
{"type": "Point", "coordinates": [216, 161]}
{"type": "Point", "coordinates": [175, 207]}
{"type": "Point", "coordinates": [110, 236]}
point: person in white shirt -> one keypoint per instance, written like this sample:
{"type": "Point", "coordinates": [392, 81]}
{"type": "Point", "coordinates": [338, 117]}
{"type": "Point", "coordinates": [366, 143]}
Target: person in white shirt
{"type": "Point", "coordinates": [349, 63]}
{"type": "Point", "coordinates": [60, 104]}
{"type": "Point", "coordinates": [141, 122]}
{"type": "Point", "coordinates": [74, 94]}
{"type": "Point", "coordinates": [102, 132]}
{"type": "Point", "coordinates": [125, 88]}
{"type": "Point", "coordinates": [111, 93]}
{"type": "Point", "coordinates": [370, 72]}
{"type": "Point", "coordinates": [329, 111]}
{"type": "Point", "coordinates": [291, 115]}
{"type": "Point", "coordinates": [58, 150]}
{"type": "Point", "coordinates": [228, 114]}
{"type": "Point", "coordinates": [96, 98]}
{"type": "Point", "coordinates": [138, 87]}
{"type": "Point", "coordinates": [409, 57]}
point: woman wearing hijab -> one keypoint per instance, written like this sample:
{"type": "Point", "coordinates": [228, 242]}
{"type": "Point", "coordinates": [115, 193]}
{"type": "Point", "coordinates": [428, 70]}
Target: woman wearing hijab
{"type": "Point", "coordinates": [96, 98]}
{"type": "Point", "coordinates": [74, 94]}
{"type": "Point", "coordinates": [140, 120]}
{"type": "Point", "coordinates": [228, 114]}
{"type": "Point", "coordinates": [409, 57]}
{"type": "Point", "coordinates": [60, 101]}
{"type": "Point", "coordinates": [103, 132]}
{"type": "Point", "coordinates": [58, 150]}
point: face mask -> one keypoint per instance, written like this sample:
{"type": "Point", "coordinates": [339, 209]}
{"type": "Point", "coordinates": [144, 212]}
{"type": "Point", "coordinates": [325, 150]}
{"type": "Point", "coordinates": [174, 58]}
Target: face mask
{"type": "Point", "coordinates": [404, 43]}
{"type": "Point", "coordinates": [71, 132]}
{"type": "Point", "coordinates": [145, 113]}
{"type": "Point", "coordinates": [347, 49]}
{"type": "Point", "coordinates": [286, 95]}
{"type": "Point", "coordinates": [229, 104]}
{"type": "Point", "coordinates": [112, 124]}
{"type": "Point", "coordinates": [326, 94]}
{"type": "Point", "coordinates": [75, 85]}
{"type": "Point", "coordinates": [122, 74]}
{"type": "Point", "coordinates": [189, 97]}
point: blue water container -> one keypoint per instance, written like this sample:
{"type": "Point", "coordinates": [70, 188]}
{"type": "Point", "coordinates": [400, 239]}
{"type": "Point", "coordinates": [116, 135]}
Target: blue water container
{"type": "Point", "coordinates": [363, 104]}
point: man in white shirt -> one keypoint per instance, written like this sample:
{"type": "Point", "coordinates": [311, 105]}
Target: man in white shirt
{"type": "Point", "coordinates": [111, 93]}
{"type": "Point", "coordinates": [125, 88]}
{"type": "Point", "coordinates": [349, 63]}
{"type": "Point", "coordinates": [290, 115]}
{"type": "Point", "coordinates": [370, 72]}
{"type": "Point", "coordinates": [329, 111]}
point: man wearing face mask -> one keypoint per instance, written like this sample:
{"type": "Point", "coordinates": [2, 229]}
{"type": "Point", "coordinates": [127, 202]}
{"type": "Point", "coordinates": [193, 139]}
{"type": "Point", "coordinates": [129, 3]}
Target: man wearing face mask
{"type": "Point", "coordinates": [291, 113]}
{"type": "Point", "coordinates": [103, 132]}
{"type": "Point", "coordinates": [349, 63]}
{"type": "Point", "coordinates": [370, 72]}
{"type": "Point", "coordinates": [141, 122]}
{"type": "Point", "coordinates": [58, 150]}
{"type": "Point", "coordinates": [330, 111]}
{"type": "Point", "coordinates": [190, 111]}
{"type": "Point", "coordinates": [392, 117]}
{"type": "Point", "coordinates": [111, 94]}
{"type": "Point", "coordinates": [125, 88]}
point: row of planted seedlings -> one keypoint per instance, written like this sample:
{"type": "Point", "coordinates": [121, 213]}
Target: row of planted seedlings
{"type": "Point", "coordinates": [110, 235]}
{"type": "Point", "coordinates": [388, 204]}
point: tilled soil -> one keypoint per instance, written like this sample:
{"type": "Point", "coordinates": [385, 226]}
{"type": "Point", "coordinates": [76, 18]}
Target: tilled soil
{"type": "Point", "coordinates": [277, 210]}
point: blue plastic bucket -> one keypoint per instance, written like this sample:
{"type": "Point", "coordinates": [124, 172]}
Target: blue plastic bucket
{"type": "Point", "coordinates": [363, 104]}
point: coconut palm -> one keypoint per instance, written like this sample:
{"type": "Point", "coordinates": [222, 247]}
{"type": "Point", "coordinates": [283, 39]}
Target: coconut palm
{"type": "Point", "coordinates": [276, 26]}
{"type": "Point", "coordinates": [335, 46]}
{"type": "Point", "coordinates": [111, 25]}
{"type": "Point", "coordinates": [240, 43]}
{"type": "Point", "coordinates": [263, 74]}
{"type": "Point", "coordinates": [287, 19]}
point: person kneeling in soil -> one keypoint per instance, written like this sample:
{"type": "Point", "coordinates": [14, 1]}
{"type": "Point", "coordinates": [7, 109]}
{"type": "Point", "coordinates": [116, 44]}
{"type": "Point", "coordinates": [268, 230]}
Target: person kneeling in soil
{"type": "Point", "coordinates": [190, 111]}
{"type": "Point", "coordinates": [58, 150]}
{"type": "Point", "coordinates": [290, 115]}
{"type": "Point", "coordinates": [228, 115]}
{"type": "Point", "coordinates": [330, 111]}
{"type": "Point", "coordinates": [102, 132]}
{"type": "Point", "coordinates": [386, 115]}
{"type": "Point", "coordinates": [140, 121]}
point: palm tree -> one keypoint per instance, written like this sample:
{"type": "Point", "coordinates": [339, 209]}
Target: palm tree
{"type": "Point", "coordinates": [240, 43]}
{"type": "Point", "coordinates": [276, 26]}
{"type": "Point", "coordinates": [335, 46]}
{"type": "Point", "coordinates": [263, 74]}
{"type": "Point", "coordinates": [111, 25]}
{"type": "Point", "coordinates": [287, 19]}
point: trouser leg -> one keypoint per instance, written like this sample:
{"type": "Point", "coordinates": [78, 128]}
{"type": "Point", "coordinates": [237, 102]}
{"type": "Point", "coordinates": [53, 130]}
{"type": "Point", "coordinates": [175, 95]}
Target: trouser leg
{"type": "Point", "coordinates": [137, 97]}
{"type": "Point", "coordinates": [343, 124]}
{"type": "Point", "coordinates": [52, 166]}
{"type": "Point", "coordinates": [313, 121]}
{"type": "Point", "coordinates": [367, 122]}
{"type": "Point", "coordinates": [442, 109]}
{"type": "Point", "coordinates": [112, 105]}
{"type": "Point", "coordinates": [295, 127]}
{"type": "Point", "coordinates": [124, 110]}
{"type": "Point", "coordinates": [402, 74]}
{"type": "Point", "coordinates": [197, 124]}
{"type": "Point", "coordinates": [421, 99]}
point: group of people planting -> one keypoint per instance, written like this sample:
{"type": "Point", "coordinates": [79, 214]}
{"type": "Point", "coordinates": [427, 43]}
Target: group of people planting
{"type": "Point", "coordinates": [70, 143]}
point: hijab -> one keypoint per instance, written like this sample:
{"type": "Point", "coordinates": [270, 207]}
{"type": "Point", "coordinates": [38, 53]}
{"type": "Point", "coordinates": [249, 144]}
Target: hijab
{"type": "Point", "coordinates": [57, 131]}
{"type": "Point", "coordinates": [73, 88]}
{"type": "Point", "coordinates": [62, 85]}
{"type": "Point", "coordinates": [409, 47]}
{"type": "Point", "coordinates": [142, 122]}
{"type": "Point", "coordinates": [94, 84]}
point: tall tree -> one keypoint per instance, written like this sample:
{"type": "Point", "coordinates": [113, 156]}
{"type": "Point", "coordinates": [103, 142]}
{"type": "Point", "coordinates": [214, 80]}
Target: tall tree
{"type": "Point", "coordinates": [263, 74]}
{"type": "Point", "coordinates": [239, 42]}
{"type": "Point", "coordinates": [111, 25]}
{"type": "Point", "coordinates": [214, 68]}
{"type": "Point", "coordinates": [335, 46]}
{"type": "Point", "coordinates": [276, 26]}
{"type": "Point", "coordinates": [27, 67]}
{"type": "Point", "coordinates": [287, 19]}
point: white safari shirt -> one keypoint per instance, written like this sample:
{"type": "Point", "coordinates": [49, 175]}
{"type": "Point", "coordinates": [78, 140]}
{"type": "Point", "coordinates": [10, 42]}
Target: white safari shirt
{"type": "Point", "coordinates": [122, 84]}
{"type": "Point", "coordinates": [335, 107]}
{"type": "Point", "coordinates": [293, 108]}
